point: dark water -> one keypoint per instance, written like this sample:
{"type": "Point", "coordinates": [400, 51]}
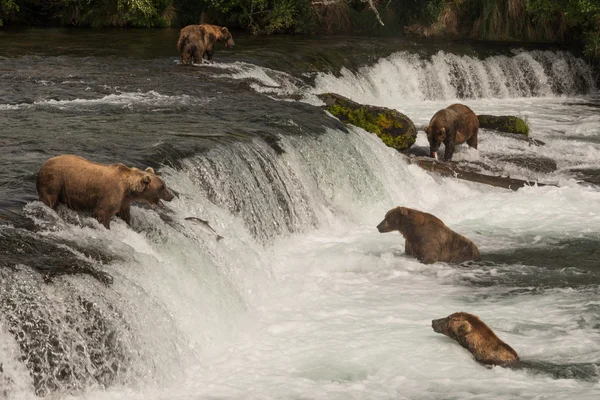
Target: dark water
{"type": "Point", "coordinates": [120, 96]}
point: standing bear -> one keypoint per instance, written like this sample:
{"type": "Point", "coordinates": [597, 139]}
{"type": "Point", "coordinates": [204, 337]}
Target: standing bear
{"type": "Point", "coordinates": [474, 335]}
{"type": "Point", "coordinates": [427, 238]}
{"type": "Point", "coordinates": [453, 125]}
{"type": "Point", "coordinates": [197, 41]}
{"type": "Point", "coordinates": [103, 189]}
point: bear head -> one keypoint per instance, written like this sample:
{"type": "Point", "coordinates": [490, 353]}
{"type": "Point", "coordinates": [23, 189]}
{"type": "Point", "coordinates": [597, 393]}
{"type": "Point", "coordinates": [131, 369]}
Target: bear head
{"type": "Point", "coordinates": [436, 134]}
{"type": "Point", "coordinates": [227, 38]}
{"type": "Point", "coordinates": [456, 326]}
{"type": "Point", "coordinates": [400, 219]}
{"type": "Point", "coordinates": [149, 187]}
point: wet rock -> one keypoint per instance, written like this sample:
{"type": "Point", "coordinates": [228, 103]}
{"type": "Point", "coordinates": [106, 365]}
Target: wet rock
{"type": "Point", "coordinates": [504, 123]}
{"type": "Point", "coordinates": [395, 129]}
{"type": "Point", "coordinates": [468, 174]}
{"type": "Point", "coordinates": [49, 258]}
{"type": "Point", "coordinates": [68, 342]}
{"type": "Point", "coordinates": [536, 164]}
{"type": "Point", "coordinates": [587, 175]}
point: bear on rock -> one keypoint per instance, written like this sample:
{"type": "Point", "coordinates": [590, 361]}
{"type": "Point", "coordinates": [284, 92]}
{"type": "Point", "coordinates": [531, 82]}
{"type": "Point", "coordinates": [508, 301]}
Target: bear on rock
{"type": "Point", "coordinates": [474, 335]}
{"type": "Point", "coordinates": [453, 125]}
{"type": "Point", "coordinates": [103, 189]}
{"type": "Point", "coordinates": [427, 238]}
{"type": "Point", "coordinates": [197, 41]}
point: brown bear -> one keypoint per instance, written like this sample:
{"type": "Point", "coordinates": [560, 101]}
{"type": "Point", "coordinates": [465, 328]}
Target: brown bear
{"type": "Point", "coordinates": [472, 334]}
{"type": "Point", "coordinates": [453, 125]}
{"type": "Point", "coordinates": [103, 189]}
{"type": "Point", "coordinates": [427, 237]}
{"type": "Point", "coordinates": [197, 41]}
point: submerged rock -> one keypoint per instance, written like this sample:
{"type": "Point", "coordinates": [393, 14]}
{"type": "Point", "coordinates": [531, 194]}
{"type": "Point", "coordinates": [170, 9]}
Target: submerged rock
{"type": "Point", "coordinates": [537, 164]}
{"type": "Point", "coordinates": [466, 173]}
{"type": "Point", "coordinates": [395, 129]}
{"type": "Point", "coordinates": [504, 123]}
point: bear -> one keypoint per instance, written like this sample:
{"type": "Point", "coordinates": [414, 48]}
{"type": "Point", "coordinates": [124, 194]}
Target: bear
{"type": "Point", "coordinates": [197, 41]}
{"type": "Point", "coordinates": [427, 238]}
{"type": "Point", "coordinates": [103, 189]}
{"type": "Point", "coordinates": [453, 125]}
{"type": "Point", "coordinates": [474, 335]}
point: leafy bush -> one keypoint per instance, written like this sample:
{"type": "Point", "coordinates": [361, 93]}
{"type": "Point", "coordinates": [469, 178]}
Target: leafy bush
{"type": "Point", "coordinates": [6, 7]}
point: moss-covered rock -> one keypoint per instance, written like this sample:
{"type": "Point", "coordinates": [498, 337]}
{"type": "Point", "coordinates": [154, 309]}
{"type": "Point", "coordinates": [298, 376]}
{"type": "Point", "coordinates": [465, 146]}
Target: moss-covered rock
{"type": "Point", "coordinates": [395, 129]}
{"type": "Point", "coordinates": [504, 123]}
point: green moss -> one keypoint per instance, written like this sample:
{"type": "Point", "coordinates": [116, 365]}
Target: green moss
{"type": "Point", "coordinates": [392, 127]}
{"type": "Point", "coordinates": [504, 123]}
{"type": "Point", "coordinates": [387, 120]}
{"type": "Point", "coordinates": [360, 117]}
{"type": "Point", "coordinates": [398, 142]}
{"type": "Point", "coordinates": [521, 127]}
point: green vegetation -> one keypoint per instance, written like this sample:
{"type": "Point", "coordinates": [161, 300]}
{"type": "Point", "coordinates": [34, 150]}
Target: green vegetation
{"type": "Point", "coordinates": [573, 21]}
{"type": "Point", "coordinates": [552, 21]}
{"type": "Point", "coordinates": [7, 7]}
{"type": "Point", "coordinates": [504, 123]}
{"type": "Point", "coordinates": [395, 129]}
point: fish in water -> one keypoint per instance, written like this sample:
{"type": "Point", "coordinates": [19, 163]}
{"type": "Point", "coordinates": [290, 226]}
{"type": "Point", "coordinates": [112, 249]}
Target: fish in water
{"type": "Point", "coordinates": [204, 224]}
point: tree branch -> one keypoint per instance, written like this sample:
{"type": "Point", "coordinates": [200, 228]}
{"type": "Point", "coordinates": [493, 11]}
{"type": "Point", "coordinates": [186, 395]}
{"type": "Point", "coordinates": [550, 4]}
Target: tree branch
{"type": "Point", "coordinates": [372, 6]}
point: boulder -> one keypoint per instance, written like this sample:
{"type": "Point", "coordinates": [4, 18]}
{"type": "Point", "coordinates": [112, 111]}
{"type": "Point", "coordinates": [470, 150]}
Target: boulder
{"type": "Point", "coordinates": [395, 129]}
{"type": "Point", "coordinates": [504, 123]}
{"type": "Point", "coordinates": [465, 173]}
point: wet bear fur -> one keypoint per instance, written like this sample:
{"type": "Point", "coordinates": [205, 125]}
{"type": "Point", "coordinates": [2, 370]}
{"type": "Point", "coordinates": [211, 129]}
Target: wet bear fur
{"type": "Point", "coordinates": [453, 125]}
{"type": "Point", "coordinates": [197, 41]}
{"type": "Point", "coordinates": [427, 238]}
{"type": "Point", "coordinates": [103, 189]}
{"type": "Point", "coordinates": [474, 335]}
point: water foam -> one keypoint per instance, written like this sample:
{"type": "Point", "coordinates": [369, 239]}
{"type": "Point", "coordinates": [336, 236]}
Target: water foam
{"type": "Point", "coordinates": [335, 310]}
{"type": "Point", "coordinates": [127, 100]}
{"type": "Point", "coordinates": [406, 77]}
{"type": "Point", "coordinates": [303, 298]}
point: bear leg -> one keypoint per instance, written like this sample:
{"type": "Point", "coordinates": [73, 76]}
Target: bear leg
{"type": "Point", "coordinates": [103, 218]}
{"type": "Point", "coordinates": [449, 149]}
{"type": "Point", "coordinates": [104, 212]}
{"type": "Point", "coordinates": [428, 254]}
{"type": "Point", "coordinates": [186, 57]}
{"type": "Point", "coordinates": [51, 200]}
{"type": "Point", "coordinates": [125, 214]}
{"type": "Point", "coordinates": [473, 140]}
{"type": "Point", "coordinates": [408, 248]}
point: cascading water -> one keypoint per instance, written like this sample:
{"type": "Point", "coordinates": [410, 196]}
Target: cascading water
{"type": "Point", "coordinates": [408, 78]}
{"type": "Point", "coordinates": [303, 298]}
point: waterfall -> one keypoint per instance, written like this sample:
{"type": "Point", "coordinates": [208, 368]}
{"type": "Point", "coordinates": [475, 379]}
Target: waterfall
{"type": "Point", "coordinates": [405, 77]}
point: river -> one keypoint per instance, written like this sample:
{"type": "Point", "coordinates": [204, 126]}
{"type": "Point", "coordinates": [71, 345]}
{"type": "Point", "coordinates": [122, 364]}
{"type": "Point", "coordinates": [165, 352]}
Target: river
{"type": "Point", "coordinates": [303, 298]}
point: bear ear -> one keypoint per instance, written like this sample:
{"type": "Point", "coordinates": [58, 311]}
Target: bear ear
{"type": "Point", "coordinates": [150, 170]}
{"type": "Point", "coordinates": [403, 211]}
{"type": "Point", "coordinates": [443, 132]}
{"type": "Point", "coordinates": [224, 30]}
{"type": "Point", "coordinates": [146, 179]}
{"type": "Point", "coordinates": [463, 328]}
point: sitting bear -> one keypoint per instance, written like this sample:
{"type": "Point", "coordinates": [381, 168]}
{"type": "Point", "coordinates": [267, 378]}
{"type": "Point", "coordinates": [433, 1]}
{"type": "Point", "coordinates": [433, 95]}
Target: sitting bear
{"type": "Point", "coordinates": [103, 189]}
{"type": "Point", "coordinates": [427, 237]}
{"type": "Point", "coordinates": [472, 334]}
{"type": "Point", "coordinates": [453, 125]}
{"type": "Point", "coordinates": [197, 41]}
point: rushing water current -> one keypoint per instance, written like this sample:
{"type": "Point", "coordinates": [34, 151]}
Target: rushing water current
{"type": "Point", "coordinates": [302, 298]}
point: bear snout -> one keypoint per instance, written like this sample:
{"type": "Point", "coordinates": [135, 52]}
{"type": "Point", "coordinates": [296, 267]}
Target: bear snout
{"type": "Point", "coordinates": [167, 195]}
{"type": "Point", "coordinates": [383, 227]}
{"type": "Point", "coordinates": [439, 325]}
{"type": "Point", "coordinates": [230, 44]}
